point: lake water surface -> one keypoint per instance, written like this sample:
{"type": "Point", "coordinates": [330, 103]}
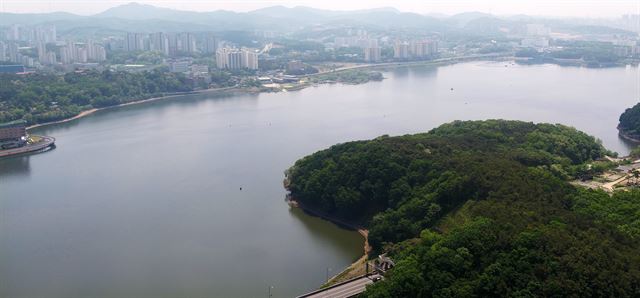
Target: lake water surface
{"type": "Point", "coordinates": [145, 200]}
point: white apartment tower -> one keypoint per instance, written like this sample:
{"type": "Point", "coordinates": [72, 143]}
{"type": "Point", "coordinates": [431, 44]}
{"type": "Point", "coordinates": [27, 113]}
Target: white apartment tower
{"type": "Point", "coordinates": [236, 59]}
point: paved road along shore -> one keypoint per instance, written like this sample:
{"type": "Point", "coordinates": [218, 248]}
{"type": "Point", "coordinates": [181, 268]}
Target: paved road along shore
{"type": "Point", "coordinates": [346, 289]}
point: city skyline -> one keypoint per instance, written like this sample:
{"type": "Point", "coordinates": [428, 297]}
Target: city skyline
{"type": "Point", "coordinates": [558, 8]}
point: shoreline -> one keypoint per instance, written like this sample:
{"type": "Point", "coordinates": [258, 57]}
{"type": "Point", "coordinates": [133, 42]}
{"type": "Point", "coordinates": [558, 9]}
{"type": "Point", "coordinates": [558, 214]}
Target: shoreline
{"type": "Point", "coordinates": [93, 110]}
{"type": "Point", "coordinates": [45, 142]}
{"type": "Point", "coordinates": [436, 62]}
{"type": "Point", "coordinates": [625, 136]}
{"type": "Point", "coordinates": [354, 266]}
{"type": "Point", "coordinates": [439, 61]}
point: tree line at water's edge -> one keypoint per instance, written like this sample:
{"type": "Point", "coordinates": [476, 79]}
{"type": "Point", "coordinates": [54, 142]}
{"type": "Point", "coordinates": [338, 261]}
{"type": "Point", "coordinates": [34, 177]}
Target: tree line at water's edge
{"type": "Point", "coordinates": [630, 122]}
{"type": "Point", "coordinates": [481, 208]}
{"type": "Point", "coordinates": [42, 97]}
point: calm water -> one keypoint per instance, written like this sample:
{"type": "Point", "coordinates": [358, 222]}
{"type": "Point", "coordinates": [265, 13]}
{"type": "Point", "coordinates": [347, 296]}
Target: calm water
{"type": "Point", "coordinates": [145, 200]}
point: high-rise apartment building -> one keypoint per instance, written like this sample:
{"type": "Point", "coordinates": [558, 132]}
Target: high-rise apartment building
{"type": "Point", "coordinates": [134, 42]}
{"type": "Point", "coordinates": [423, 48]}
{"type": "Point", "coordinates": [95, 52]}
{"type": "Point", "coordinates": [372, 54]}
{"type": "Point", "coordinates": [3, 51]}
{"type": "Point", "coordinates": [210, 44]}
{"type": "Point", "coordinates": [250, 59]}
{"type": "Point", "coordinates": [236, 59]}
{"type": "Point", "coordinates": [401, 50]}
{"type": "Point", "coordinates": [13, 52]}
{"type": "Point", "coordinates": [159, 42]}
{"type": "Point", "coordinates": [186, 43]}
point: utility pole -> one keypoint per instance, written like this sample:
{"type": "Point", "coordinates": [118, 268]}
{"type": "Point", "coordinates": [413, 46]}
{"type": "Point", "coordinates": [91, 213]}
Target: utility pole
{"type": "Point", "coordinates": [270, 287]}
{"type": "Point", "coordinates": [328, 269]}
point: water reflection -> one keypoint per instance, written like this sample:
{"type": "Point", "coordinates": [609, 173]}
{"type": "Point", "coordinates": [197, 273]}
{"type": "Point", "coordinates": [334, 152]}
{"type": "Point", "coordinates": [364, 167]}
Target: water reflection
{"type": "Point", "coordinates": [314, 225]}
{"type": "Point", "coordinates": [15, 166]}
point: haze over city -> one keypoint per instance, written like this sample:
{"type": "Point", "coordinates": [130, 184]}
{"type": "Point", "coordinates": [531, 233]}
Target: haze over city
{"type": "Point", "coordinates": [557, 8]}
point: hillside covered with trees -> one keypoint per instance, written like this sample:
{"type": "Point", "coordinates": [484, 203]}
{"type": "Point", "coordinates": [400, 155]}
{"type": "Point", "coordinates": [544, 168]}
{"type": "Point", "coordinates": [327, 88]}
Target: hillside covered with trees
{"type": "Point", "coordinates": [481, 208]}
{"type": "Point", "coordinates": [41, 97]}
{"type": "Point", "coordinates": [630, 122]}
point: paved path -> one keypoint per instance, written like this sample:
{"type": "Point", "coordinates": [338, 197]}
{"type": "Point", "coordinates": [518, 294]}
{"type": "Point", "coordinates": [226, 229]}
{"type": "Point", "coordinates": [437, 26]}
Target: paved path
{"type": "Point", "coordinates": [609, 186]}
{"type": "Point", "coordinates": [344, 290]}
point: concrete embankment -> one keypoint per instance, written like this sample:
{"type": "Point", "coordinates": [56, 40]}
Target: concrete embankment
{"type": "Point", "coordinates": [44, 143]}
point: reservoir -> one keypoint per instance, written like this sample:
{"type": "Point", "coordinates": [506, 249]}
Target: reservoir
{"type": "Point", "coordinates": [183, 197]}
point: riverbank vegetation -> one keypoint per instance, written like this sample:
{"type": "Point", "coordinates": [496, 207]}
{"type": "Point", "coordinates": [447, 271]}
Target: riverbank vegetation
{"type": "Point", "coordinates": [577, 53]}
{"type": "Point", "coordinates": [629, 125]}
{"type": "Point", "coordinates": [481, 208]}
{"type": "Point", "coordinates": [354, 77]}
{"type": "Point", "coordinates": [42, 97]}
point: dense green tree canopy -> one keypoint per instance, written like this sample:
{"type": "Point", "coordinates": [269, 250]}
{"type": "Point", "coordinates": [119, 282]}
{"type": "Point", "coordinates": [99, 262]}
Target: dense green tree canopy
{"type": "Point", "coordinates": [481, 208]}
{"type": "Point", "coordinates": [42, 97]}
{"type": "Point", "coordinates": [630, 122]}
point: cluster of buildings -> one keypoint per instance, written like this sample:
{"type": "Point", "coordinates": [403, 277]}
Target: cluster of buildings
{"type": "Point", "coordinates": [536, 36]}
{"type": "Point", "coordinates": [369, 46]}
{"type": "Point", "coordinates": [194, 72]}
{"type": "Point", "coordinates": [626, 49]}
{"type": "Point", "coordinates": [231, 58]}
{"type": "Point", "coordinates": [415, 49]}
{"type": "Point", "coordinates": [10, 52]}
{"type": "Point", "coordinates": [372, 47]}
{"type": "Point", "coordinates": [18, 32]}
{"type": "Point", "coordinates": [19, 43]}
{"type": "Point", "coordinates": [169, 44]}
{"type": "Point", "coordinates": [16, 35]}
{"type": "Point", "coordinates": [355, 42]}
{"type": "Point", "coordinates": [185, 65]}
{"type": "Point", "coordinates": [78, 52]}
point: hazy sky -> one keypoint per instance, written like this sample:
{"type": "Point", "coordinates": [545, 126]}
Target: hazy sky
{"type": "Point", "coordinates": [574, 8]}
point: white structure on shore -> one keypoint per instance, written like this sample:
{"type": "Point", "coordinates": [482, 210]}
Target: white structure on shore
{"type": "Point", "coordinates": [227, 58]}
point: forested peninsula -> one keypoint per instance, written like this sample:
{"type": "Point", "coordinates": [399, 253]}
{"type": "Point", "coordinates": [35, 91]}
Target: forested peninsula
{"type": "Point", "coordinates": [481, 208]}
{"type": "Point", "coordinates": [43, 97]}
{"type": "Point", "coordinates": [629, 126]}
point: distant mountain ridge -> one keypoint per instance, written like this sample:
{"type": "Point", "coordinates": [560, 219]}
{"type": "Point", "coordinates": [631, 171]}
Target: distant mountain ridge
{"type": "Point", "coordinates": [136, 17]}
{"type": "Point", "coordinates": [220, 19]}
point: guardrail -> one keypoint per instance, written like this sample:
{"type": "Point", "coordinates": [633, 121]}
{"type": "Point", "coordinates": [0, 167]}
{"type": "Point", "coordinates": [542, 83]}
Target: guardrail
{"type": "Point", "coordinates": [337, 285]}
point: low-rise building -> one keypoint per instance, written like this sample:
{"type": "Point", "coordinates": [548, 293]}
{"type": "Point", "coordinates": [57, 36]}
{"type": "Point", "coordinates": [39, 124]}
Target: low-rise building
{"type": "Point", "coordinates": [17, 68]}
{"type": "Point", "coordinates": [199, 68]}
{"type": "Point", "coordinates": [295, 66]}
{"type": "Point", "coordinates": [179, 66]}
{"type": "Point", "coordinates": [13, 134]}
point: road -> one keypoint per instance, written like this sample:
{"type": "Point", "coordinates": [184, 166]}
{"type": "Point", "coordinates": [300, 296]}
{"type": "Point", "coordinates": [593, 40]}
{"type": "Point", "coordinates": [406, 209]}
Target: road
{"type": "Point", "coordinates": [609, 186]}
{"type": "Point", "coordinates": [344, 290]}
